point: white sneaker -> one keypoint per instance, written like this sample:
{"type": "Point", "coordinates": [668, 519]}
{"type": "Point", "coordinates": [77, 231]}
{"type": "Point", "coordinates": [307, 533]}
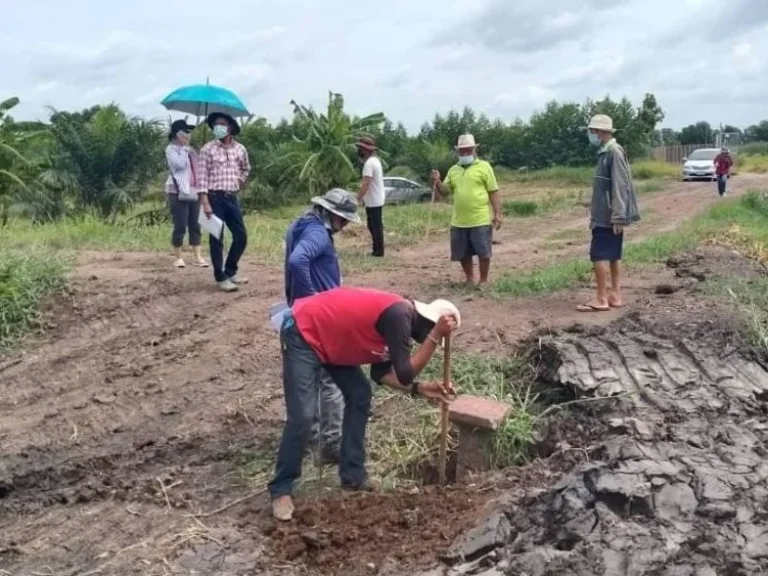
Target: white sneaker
{"type": "Point", "coordinates": [236, 279]}
{"type": "Point", "coordinates": [179, 263]}
{"type": "Point", "coordinates": [227, 285]}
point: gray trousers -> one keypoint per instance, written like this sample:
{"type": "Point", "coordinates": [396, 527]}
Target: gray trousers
{"type": "Point", "coordinates": [326, 429]}
{"type": "Point", "coordinates": [185, 217]}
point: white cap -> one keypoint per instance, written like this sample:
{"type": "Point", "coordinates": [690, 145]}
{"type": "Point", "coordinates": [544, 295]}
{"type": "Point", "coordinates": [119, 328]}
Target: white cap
{"type": "Point", "coordinates": [601, 122]}
{"type": "Point", "coordinates": [466, 141]}
{"type": "Point", "coordinates": [435, 309]}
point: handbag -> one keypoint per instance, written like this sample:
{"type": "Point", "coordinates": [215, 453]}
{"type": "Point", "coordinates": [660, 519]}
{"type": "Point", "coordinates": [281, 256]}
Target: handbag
{"type": "Point", "coordinates": [190, 195]}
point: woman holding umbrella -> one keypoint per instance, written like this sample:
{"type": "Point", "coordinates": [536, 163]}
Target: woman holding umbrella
{"type": "Point", "coordinates": [182, 193]}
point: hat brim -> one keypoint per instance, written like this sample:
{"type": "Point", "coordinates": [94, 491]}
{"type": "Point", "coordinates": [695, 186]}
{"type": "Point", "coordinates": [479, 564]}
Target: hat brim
{"type": "Point", "coordinates": [370, 147]}
{"type": "Point", "coordinates": [354, 218]}
{"type": "Point", "coordinates": [457, 147]}
{"type": "Point", "coordinates": [233, 125]}
{"type": "Point", "coordinates": [590, 127]}
{"type": "Point", "coordinates": [429, 312]}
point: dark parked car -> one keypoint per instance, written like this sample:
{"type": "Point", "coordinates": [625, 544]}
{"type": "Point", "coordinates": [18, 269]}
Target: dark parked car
{"type": "Point", "coordinates": [403, 191]}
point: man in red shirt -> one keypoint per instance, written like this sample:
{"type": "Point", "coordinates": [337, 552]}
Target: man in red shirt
{"type": "Point", "coordinates": [723, 163]}
{"type": "Point", "coordinates": [339, 330]}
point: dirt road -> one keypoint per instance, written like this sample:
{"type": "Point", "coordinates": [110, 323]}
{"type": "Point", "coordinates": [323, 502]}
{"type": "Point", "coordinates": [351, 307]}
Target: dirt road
{"type": "Point", "coordinates": [151, 390]}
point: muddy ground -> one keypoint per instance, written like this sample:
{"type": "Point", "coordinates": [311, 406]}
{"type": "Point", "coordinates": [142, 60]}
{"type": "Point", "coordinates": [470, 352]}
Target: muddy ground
{"type": "Point", "coordinates": [152, 399]}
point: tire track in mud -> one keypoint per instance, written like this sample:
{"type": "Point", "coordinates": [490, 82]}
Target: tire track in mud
{"type": "Point", "coordinates": [677, 486]}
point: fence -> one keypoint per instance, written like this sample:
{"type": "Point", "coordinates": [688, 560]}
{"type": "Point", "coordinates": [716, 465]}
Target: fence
{"type": "Point", "coordinates": [675, 154]}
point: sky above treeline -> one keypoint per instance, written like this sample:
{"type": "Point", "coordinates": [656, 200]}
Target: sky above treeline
{"type": "Point", "coordinates": [703, 59]}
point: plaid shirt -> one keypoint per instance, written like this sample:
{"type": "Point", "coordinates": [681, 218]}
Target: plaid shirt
{"type": "Point", "coordinates": [223, 166]}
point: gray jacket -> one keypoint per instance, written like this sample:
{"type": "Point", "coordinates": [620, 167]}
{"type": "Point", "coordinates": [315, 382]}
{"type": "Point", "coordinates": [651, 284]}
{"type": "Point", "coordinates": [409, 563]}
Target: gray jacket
{"type": "Point", "coordinates": [613, 192]}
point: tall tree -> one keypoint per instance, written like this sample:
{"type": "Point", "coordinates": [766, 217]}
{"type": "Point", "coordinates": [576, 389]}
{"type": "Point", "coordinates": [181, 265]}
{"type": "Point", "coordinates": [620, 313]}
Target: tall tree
{"type": "Point", "coordinates": [112, 157]}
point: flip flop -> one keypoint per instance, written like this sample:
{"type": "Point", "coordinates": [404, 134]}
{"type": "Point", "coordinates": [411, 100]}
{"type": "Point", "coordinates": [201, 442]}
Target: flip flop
{"type": "Point", "coordinates": [592, 308]}
{"type": "Point", "coordinates": [200, 264]}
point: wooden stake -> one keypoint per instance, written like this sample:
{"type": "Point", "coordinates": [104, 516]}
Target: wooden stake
{"type": "Point", "coordinates": [444, 411]}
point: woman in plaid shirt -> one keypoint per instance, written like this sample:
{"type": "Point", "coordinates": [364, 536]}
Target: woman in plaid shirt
{"type": "Point", "coordinates": [224, 168]}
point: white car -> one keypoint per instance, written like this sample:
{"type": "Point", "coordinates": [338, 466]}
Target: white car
{"type": "Point", "coordinates": [700, 164]}
{"type": "Point", "coordinates": [404, 191]}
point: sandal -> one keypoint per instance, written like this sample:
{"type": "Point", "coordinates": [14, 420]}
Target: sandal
{"type": "Point", "coordinates": [590, 307]}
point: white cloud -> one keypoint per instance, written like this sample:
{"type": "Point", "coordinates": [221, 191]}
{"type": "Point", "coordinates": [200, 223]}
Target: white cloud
{"type": "Point", "coordinates": [704, 59]}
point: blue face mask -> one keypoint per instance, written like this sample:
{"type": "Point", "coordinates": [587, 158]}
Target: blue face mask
{"type": "Point", "coordinates": [220, 131]}
{"type": "Point", "coordinates": [466, 160]}
{"type": "Point", "coordinates": [594, 139]}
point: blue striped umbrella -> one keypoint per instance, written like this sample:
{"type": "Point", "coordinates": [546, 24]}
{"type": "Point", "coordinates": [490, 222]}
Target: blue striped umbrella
{"type": "Point", "coordinates": [203, 99]}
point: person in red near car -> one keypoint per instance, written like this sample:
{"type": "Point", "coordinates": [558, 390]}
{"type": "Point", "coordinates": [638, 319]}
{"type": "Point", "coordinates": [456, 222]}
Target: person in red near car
{"type": "Point", "coordinates": [723, 163]}
{"type": "Point", "coordinates": [340, 330]}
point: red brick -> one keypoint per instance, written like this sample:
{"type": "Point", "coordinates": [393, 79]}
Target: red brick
{"type": "Point", "coordinates": [478, 412]}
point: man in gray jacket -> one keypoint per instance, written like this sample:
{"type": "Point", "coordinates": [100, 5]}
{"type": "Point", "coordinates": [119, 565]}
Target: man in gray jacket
{"type": "Point", "coordinates": [614, 207]}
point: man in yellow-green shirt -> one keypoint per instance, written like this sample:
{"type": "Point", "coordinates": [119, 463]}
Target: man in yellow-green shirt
{"type": "Point", "coordinates": [476, 208]}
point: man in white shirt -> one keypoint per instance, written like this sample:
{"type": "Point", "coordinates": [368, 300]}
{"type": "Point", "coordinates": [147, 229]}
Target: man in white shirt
{"type": "Point", "coordinates": [372, 192]}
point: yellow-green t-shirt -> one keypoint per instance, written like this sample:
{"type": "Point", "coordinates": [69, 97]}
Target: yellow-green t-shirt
{"type": "Point", "coordinates": [471, 186]}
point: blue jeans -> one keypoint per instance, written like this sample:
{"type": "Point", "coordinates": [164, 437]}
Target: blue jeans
{"type": "Point", "coordinates": [302, 372]}
{"type": "Point", "coordinates": [227, 207]}
{"type": "Point", "coordinates": [722, 182]}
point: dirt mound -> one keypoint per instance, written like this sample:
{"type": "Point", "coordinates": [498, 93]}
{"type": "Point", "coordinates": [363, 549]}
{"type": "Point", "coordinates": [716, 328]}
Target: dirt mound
{"type": "Point", "coordinates": [714, 262]}
{"type": "Point", "coordinates": [677, 486]}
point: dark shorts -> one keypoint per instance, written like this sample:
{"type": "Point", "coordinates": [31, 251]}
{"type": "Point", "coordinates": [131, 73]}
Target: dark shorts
{"type": "Point", "coordinates": [606, 246]}
{"type": "Point", "coordinates": [468, 242]}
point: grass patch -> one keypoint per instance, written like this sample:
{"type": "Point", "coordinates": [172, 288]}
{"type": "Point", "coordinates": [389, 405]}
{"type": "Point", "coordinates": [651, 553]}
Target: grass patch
{"type": "Point", "coordinates": [652, 169]}
{"type": "Point", "coordinates": [26, 278]}
{"type": "Point", "coordinates": [750, 296]}
{"type": "Point", "coordinates": [583, 175]}
{"type": "Point", "coordinates": [551, 202]}
{"type": "Point", "coordinates": [574, 176]}
{"type": "Point", "coordinates": [650, 186]}
{"type": "Point", "coordinates": [756, 164]}
{"type": "Point", "coordinates": [741, 221]}
{"type": "Point", "coordinates": [552, 278]}
{"type": "Point", "coordinates": [406, 436]}
{"type": "Point", "coordinates": [521, 208]}
{"type": "Point", "coordinates": [411, 223]}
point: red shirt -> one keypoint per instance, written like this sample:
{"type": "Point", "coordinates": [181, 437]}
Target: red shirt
{"type": "Point", "coordinates": [340, 325]}
{"type": "Point", "coordinates": [723, 163]}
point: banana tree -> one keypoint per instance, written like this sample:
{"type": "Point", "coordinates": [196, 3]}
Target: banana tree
{"type": "Point", "coordinates": [320, 155]}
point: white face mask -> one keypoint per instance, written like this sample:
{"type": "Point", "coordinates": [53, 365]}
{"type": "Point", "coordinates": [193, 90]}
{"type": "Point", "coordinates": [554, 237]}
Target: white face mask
{"type": "Point", "coordinates": [220, 131]}
{"type": "Point", "coordinates": [183, 138]}
{"type": "Point", "coordinates": [467, 159]}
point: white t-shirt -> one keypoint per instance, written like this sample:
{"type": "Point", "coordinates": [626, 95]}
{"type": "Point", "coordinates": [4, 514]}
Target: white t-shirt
{"type": "Point", "coordinates": [375, 196]}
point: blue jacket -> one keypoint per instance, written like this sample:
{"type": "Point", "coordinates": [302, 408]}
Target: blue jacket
{"type": "Point", "coordinates": [311, 262]}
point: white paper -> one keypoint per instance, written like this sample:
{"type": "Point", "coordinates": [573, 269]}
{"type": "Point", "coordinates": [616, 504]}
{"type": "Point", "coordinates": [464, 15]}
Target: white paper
{"type": "Point", "coordinates": [277, 315]}
{"type": "Point", "coordinates": [213, 225]}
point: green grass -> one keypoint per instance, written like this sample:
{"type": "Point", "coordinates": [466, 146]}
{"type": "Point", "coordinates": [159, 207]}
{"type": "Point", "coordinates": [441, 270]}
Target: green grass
{"type": "Point", "coordinates": [747, 215]}
{"type": "Point", "coordinates": [753, 149]}
{"type": "Point", "coordinates": [406, 437]}
{"type": "Point", "coordinates": [652, 169]}
{"type": "Point", "coordinates": [548, 279]}
{"type": "Point", "coordinates": [757, 163]}
{"type": "Point", "coordinates": [411, 223]}
{"type": "Point", "coordinates": [583, 175]}
{"type": "Point", "coordinates": [265, 235]}
{"type": "Point", "coordinates": [649, 186]}
{"type": "Point", "coordinates": [25, 280]}
{"type": "Point", "coordinates": [750, 297]}
{"type": "Point", "coordinates": [552, 201]}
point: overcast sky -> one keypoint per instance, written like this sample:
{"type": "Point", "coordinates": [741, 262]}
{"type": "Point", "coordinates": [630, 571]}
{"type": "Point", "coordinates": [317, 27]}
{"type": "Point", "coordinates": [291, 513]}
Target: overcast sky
{"type": "Point", "coordinates": [704, 59]}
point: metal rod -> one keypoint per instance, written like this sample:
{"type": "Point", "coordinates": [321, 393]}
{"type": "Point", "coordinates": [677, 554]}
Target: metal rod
{"type": "Point", "coordinates": [444, 411]}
